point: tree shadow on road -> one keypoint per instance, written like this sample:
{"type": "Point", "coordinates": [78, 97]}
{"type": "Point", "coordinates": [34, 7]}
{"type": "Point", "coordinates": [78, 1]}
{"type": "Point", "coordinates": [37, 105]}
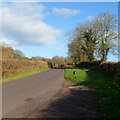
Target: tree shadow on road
{"type": "Point", "coordinates": [72, 103]}
{"type": "Point", "coordinates": [58, 68]}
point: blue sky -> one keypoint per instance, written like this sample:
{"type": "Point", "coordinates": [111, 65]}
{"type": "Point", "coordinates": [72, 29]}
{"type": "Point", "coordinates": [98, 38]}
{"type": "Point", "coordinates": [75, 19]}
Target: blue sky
{"type": "Point", "coordinates": [40, 29]}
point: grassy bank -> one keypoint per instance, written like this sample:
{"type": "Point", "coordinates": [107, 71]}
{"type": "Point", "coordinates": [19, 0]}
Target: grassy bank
{"type": "Point", "coordinates": [106, 88]}
{"type": "Point", "coordinates": [15, 66]}
{"type": "Point", "coordinates": [23, 74]}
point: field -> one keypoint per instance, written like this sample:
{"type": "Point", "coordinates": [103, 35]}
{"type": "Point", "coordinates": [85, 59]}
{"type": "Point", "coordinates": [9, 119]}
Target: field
{"type": "Point", "coordinates": [107, 89]}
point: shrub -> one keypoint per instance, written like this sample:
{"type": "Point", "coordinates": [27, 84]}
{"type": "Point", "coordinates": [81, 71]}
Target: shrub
{"type": "Point", "coordinates": [12, 66]}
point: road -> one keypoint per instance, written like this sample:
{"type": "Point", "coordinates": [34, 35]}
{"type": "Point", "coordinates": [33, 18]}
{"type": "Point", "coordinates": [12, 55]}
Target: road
{"type": "Point", "coordinates": [20, 97]}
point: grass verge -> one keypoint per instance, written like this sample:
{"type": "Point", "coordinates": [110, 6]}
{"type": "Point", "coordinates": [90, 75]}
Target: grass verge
{"type": "Point", "coordinates": [106, 88]}
{"type": "Point", "coordinates": [80, 77]}
{"type": "Point", "coordinates": [23, 75]}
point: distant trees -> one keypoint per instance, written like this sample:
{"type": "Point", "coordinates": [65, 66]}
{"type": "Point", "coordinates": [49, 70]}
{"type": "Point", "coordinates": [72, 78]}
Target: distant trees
{"type": "Point", "coordinates": [69, 60]}
{"type": "Point", "coordinates": [93, 39]}
{"type": "Point", "coordinates": [58, 60]}
{"type": "Point", "coordinates": [7, 52]}
{"type": "Point", "coordinates": [18, 54]}
{"type": "Point", "coordinates": [10, 53]}
{"type": "Point", "coordinates": [39, 58]}
{"type": "Point", "coordinates": [36, 58]}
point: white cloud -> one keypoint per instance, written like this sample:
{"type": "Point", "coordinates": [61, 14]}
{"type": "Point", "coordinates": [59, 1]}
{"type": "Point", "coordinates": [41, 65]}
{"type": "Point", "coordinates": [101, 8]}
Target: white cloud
{"type": "Point", "coordinates": [6, 42]}
{"type": "Point", "coordinates": [23, 22]}
{"type": "Point", "coordinates": [65, 11]}
{"type": "Point", "coordinates": [90, 17]}
{"type": "Point", "coordinates": [9, 43]}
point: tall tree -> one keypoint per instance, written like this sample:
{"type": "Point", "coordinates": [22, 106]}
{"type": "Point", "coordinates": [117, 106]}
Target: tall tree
{"type": "Point", "coordinates": [94, 38]}
{"type": "Point", "coordinates": [107, 25]}
{"type": "Point", "coordinates": [87, 37]}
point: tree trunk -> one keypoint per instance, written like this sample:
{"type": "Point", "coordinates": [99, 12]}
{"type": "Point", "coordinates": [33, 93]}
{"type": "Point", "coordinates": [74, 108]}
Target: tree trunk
{"type": "Point", "coordinates": [104, 54]}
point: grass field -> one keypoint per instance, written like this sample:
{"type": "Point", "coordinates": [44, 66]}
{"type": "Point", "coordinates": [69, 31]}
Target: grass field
{"type": "Point", "coordinates": [106, 88]}
{"type": "Point", "coordinates": [23, 74]}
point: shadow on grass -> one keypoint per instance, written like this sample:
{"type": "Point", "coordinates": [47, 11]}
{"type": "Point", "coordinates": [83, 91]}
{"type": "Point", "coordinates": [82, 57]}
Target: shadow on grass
{"type": "Point", "coordinates": [89, 77]}
{"type": "Point", "coordinates": [81, 103]}
{"type": "Point", "coordinates": [107, 91]}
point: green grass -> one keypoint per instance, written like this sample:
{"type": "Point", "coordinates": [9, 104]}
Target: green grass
{"type": "Point", "coordinates": [106, 88]}
{"type": "Point", "coordinates": [23, 75]}
{"type": "Point", "coordinates": [80, 77]}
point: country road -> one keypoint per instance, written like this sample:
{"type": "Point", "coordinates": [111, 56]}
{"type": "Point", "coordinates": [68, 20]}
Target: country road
{"type": "Point", "coordinates": [20, 97]}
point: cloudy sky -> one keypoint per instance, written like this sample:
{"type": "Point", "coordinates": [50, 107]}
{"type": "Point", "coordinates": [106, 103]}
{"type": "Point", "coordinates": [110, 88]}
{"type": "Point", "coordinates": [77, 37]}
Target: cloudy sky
{"type": "Point", "coordinates": [40, 29]}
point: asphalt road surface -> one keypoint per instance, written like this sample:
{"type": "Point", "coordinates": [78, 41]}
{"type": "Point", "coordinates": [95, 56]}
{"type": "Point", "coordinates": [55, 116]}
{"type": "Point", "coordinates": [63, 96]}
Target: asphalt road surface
{"type": "Point", "coordinates": [20, 97]}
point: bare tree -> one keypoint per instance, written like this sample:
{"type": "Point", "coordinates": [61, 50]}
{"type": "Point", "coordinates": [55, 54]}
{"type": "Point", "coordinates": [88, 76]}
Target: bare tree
{"type": "Point", "coordinates": [94, 38]}
{"type": "Point", "coordinates": [37, 58]}
{"type": "Point", "coordinates": [85, 40]}
{"type": "Point", "coordinates": [18, 54]}
{"type": "Point", "coordinates": [107, 25]}
{"type": "Point", "coordinates": [58, 60]}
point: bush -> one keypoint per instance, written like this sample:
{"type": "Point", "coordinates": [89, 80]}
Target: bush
{"type": "Point", "coordinates": [110, 68]}
{"type": "Point", "coordinates": [12, 66]}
